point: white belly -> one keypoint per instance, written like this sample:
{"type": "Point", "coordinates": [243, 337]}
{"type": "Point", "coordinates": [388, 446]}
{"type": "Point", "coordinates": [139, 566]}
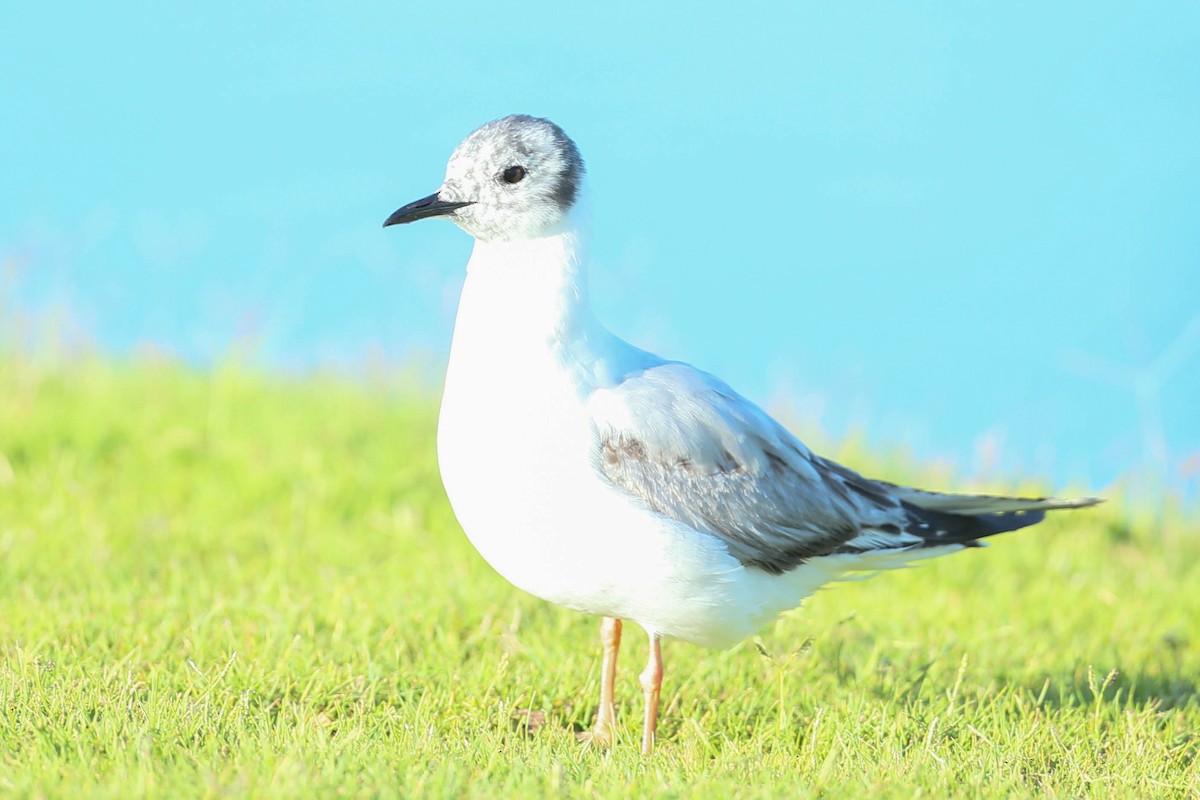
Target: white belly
{"type": "Point", "coordinates": [513, 451]}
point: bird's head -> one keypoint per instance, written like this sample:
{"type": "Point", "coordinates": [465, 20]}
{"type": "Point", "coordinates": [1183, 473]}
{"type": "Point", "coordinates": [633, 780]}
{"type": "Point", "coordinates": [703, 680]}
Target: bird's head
{"type": "Point", "coordinates": [517, 177]}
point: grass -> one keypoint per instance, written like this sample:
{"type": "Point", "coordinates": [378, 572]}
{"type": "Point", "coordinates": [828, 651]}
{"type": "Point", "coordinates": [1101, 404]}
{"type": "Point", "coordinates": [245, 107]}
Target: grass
{"type": "Point", "coordinates": [226, 585]}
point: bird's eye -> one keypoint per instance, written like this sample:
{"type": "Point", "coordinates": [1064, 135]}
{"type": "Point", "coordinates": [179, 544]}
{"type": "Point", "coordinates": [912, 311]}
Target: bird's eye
{"type": "Point", "coordinates": [513, 174]}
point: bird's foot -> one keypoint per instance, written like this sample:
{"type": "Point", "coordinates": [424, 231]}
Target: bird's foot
{"type": "Point", "coordinates": [601, 735]}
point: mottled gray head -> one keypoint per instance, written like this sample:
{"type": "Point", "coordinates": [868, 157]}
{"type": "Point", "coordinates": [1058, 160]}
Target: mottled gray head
{"type": "Point", "coordinates": [514, 178]}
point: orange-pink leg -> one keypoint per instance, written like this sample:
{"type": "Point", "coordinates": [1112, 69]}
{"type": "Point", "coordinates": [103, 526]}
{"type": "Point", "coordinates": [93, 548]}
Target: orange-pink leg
{"type": "Point", "coordinates": [651, 679]}
{"type": "Point", "coordinates": [604, 731]}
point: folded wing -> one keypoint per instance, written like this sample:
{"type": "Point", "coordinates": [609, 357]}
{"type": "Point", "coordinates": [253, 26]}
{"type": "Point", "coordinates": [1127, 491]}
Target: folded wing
{"type": "Point", "coordinates": [688, 447]}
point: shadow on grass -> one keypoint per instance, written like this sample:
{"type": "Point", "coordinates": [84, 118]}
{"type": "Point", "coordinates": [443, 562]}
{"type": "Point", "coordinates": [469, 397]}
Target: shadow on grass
{"type": "Point", "coordinates": [1161, 691]}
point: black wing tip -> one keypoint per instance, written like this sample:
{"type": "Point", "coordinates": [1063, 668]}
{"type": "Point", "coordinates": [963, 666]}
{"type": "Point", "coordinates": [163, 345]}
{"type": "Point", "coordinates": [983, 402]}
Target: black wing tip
{"type": "Point", "coordinates": [939, 528]}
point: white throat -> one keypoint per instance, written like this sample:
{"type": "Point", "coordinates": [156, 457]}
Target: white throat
{"type": "Point", "coordinates": [523, 289]}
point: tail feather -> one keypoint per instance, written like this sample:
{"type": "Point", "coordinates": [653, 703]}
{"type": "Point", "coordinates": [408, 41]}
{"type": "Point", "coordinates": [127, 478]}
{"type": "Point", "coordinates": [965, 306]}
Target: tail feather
{"type": "Point", "coordinates": [936, 523]}
{"type": "Point", "coordinates": [972, 504]}
{"type": "Point", "coordinates": [942, 519]}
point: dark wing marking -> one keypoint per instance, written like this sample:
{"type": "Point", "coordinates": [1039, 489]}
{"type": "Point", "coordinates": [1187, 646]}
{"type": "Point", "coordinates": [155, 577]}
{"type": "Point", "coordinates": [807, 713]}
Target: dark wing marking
{"type": "Point", "coordinates": [692, 449]}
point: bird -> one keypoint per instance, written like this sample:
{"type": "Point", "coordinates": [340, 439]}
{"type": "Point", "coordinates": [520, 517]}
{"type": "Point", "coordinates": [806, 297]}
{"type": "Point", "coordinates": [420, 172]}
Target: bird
{"type": "Point", "coordinates": [603, 478]}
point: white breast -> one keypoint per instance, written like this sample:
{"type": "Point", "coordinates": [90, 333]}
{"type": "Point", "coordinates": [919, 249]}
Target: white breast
{"type": "Point", "coordinates": [515, 447]}
{"type": "Point", "coordinates": [513, 439]}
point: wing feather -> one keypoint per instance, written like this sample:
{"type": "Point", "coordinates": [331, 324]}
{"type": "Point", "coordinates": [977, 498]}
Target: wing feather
{"type": "Point", "coordinates": [690, 448]}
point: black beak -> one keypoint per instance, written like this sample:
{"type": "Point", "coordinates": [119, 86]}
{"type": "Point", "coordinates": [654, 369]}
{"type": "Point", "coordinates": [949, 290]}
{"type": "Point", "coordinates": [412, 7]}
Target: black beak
{"type": "Point", "coordinates": [420, 209]}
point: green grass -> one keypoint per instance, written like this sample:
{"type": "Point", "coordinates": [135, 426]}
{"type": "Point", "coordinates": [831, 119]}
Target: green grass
{"type": "Point", "coordinates": [224, 585]}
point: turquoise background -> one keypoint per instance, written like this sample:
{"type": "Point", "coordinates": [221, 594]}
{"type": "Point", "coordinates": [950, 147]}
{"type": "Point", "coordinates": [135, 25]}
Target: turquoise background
{"type": "Point", "coordinates": [974, 230]}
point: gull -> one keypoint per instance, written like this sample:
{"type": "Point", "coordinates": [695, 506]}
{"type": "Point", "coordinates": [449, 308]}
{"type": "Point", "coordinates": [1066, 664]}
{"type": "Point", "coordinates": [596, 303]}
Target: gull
{"type": "Point", "coordinates": [603, 478]}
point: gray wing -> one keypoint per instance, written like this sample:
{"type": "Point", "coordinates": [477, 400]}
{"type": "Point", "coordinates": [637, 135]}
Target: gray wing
{"type": "Point", "coordinates": [690, 448]}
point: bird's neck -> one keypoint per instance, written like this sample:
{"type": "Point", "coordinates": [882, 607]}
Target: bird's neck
{"type": "Point", "coordinates": [529, 289]}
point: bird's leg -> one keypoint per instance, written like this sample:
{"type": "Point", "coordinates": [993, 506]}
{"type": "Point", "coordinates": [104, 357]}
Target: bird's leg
{"type": "Point", "coordinates": [604, 731]}
{"type": "Point", "coordinates": [651, 679]}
